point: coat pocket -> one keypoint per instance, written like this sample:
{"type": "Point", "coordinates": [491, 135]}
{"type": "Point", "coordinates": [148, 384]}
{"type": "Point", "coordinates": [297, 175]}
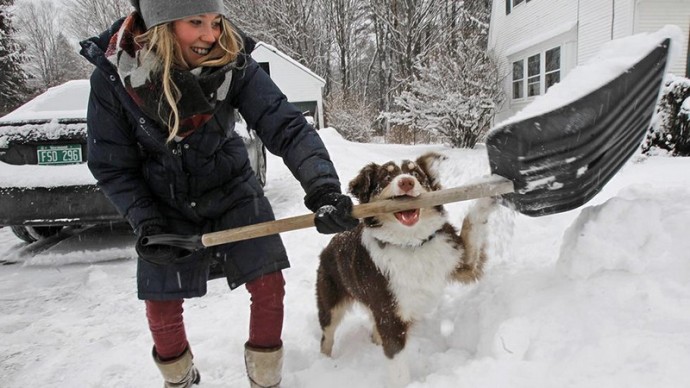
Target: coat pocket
{"type": "Point", "coordinates": [173, 281]}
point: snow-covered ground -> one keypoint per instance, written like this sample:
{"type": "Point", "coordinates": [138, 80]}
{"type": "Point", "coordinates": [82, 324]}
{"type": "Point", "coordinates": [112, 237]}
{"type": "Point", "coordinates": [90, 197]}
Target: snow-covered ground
{"type": "Point", "coordinates": [595, 297]}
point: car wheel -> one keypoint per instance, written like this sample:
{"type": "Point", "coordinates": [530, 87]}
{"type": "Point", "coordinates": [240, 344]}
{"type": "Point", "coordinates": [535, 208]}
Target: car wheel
{"type": "Point", "coordinates": [34, 233]}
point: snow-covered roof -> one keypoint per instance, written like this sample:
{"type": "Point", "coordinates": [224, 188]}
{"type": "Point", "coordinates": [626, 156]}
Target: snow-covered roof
{"type": "Point", "coordinates": [289, 59]}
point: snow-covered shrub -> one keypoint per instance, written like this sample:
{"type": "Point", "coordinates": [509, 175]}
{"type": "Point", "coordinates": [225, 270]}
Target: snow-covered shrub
{"type": "Point", "coordinates": [670, 129]}
{"type": "Point", "coordinates": [402, 134]}
{"type": "Point", "coordinates": [351, 117]}
{"type": "Point", "coordinates": [454, 96]}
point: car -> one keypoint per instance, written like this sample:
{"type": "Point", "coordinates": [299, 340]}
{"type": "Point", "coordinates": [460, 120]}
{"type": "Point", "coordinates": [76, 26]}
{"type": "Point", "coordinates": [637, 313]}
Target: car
{"type": "Point", "coordinates": [45, 184]}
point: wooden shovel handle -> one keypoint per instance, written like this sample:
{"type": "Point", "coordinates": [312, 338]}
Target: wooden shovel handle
{"type": "Point", "coordinates": [485, 187]}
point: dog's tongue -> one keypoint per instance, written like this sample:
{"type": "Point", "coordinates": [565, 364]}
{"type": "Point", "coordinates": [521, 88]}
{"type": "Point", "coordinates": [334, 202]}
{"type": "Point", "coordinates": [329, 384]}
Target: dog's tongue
{"type": "Point", "coordinates": [408, 217]}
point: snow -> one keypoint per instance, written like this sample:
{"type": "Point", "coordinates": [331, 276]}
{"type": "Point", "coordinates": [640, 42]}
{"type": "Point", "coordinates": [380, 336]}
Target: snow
{"type": "Point", "coordinates": [595, 297]}
{"type": "Point", "coordinates": [45, 176]}
{"type": "Point", "coordinates": [65, 101]}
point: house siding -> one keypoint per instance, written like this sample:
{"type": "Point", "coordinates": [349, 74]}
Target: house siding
{"type": "Point", "coordinates": [601, 21]}
{"type": "Point", "coordinates": [595, 27]}
{"type": "Point", "coordinates": [527, 20]}
{"type": "Point", "coordinates": [297, 85]}
{"type": "Point", "coordinates": [297, 82]}
{"type": "Point", "coordinates": [652, 15]}
{"type": "Point", "coordinates": [623, 18]}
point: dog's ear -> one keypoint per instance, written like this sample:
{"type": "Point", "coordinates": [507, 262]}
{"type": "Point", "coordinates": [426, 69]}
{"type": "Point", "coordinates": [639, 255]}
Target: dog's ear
{"type": "Point", "coordinates": [363, 185]}
{"type": "Point", "coordinates": [429, 163]}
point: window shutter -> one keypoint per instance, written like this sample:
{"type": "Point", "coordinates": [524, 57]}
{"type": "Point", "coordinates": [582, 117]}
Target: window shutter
{"type": "Point", "coordinates": [508, 2]}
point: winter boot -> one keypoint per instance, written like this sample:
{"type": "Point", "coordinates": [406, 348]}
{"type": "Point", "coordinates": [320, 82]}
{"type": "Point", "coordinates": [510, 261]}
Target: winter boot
{"type": "Point", "coordinates": [264, 366]}
{"type": "Point", "coordinates": [178, 373]}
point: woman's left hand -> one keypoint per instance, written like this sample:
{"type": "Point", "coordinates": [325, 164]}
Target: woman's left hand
{"type": "Point", "coordinates": [157, 253]}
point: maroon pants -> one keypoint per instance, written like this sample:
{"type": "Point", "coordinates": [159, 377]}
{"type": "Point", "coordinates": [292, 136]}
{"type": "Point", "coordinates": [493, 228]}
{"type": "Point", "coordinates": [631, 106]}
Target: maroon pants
{"type": "Point", "coordinates": [265, 321]}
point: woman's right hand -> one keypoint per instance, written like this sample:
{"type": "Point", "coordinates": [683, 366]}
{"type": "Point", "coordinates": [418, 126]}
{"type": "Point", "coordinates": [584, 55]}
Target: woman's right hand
{"type": "Point", "coordinates": [157, 253]}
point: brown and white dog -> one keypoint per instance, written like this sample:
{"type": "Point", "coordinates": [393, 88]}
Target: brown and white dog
{"type": "Point", "coordinates": [397, 265]}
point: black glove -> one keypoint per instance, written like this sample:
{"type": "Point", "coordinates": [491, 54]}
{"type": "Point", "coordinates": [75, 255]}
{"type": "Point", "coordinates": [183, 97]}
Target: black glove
{"type": "Point", "coordinates": [334, 214]}
{"type": "Point", "coordinates": [157, 254]}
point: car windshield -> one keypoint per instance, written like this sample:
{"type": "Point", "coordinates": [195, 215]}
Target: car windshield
{"type": "Point", "coordinates": [67, 101]}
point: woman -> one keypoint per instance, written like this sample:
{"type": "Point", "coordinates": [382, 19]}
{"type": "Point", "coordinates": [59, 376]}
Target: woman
{"type": "Point", "coordinates": [168, 80]}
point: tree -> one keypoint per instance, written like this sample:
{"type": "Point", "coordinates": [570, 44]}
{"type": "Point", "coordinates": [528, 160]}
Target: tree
{"type": "Point", "coordinates": [347, 19]}
{"type": "Point", "coordinates": [373, 52]}
{"type": "Point", "coordinates": [296, 27]}
{"type": "Point", "coordinates": [85, 18]}
{"type": "Point", "coordinates": [410, 34]}
{"type": "Point", "coordinates": [670, 130]}
{"type": "Point", "coordinates": [404, 30]}
{"type": "Point", "coordinates": [13, 88]}
{"type": "Point", "coordinates": [456, 91]}
{"type": "Point", "coordinates": [452, 98]}
{"type": "Point", "coordinates": [72, 65]}
{"type": "Point", "coordinates": [351, 116]}
{"type": "Point", "coordinates": [52, 59]}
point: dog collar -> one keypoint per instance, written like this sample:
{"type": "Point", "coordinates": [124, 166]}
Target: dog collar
{"type": "Point", "coordinates": [382, 244]}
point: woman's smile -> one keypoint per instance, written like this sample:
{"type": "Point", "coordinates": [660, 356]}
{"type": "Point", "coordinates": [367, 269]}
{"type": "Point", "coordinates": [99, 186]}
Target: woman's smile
{"type": "Point", "coordinates": [197, 35]}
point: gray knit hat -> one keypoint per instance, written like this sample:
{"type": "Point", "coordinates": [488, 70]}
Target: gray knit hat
{"type": "Point", "coordinates": [155, 12]}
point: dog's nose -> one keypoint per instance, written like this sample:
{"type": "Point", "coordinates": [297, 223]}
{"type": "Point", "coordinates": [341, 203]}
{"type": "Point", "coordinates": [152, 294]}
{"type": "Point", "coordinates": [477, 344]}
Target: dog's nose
{"type": "Point", "coordinates": [406, 184]}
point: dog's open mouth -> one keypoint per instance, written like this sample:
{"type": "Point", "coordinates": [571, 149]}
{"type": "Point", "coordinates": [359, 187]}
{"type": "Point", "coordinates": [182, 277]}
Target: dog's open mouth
{"type": "Point", "coordinates": [408, 217]}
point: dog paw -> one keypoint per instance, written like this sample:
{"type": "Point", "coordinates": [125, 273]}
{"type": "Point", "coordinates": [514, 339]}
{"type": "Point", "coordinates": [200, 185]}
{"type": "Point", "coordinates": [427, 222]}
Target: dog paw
{"type": "Point", "coordinates": [327, 346]}
{"type": "Point", "coordinates": [482, 209]}
{"type": "Point", "coordinates": [376, 338]}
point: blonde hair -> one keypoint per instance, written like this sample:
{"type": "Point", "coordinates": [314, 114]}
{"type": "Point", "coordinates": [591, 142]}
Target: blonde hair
{"type": "Point", "coordinates": [161, 42]}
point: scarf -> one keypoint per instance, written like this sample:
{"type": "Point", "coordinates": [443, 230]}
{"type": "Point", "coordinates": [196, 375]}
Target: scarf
{"type": "Point", "coordinates": [202, 90]}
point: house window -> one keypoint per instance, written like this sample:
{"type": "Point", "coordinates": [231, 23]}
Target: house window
{"type": "Point", "coordinates": [266, 67]}
{"type": "Point", "coordinates": [527, 73]}
{"type": "Point", "coordinates": [552, 67]}
{"type": "Point", "coordinates": [534, 75]}
{"type": "Point", "coordinates": [510, 4]}
{"type": "Point", "coordinates": [518, 78]}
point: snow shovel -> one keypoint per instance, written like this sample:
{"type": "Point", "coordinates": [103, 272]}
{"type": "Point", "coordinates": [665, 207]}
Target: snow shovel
{"type": "Point", "coordinates": [560, 160]}
{"type": "Point", "coordinates": [547, 164]}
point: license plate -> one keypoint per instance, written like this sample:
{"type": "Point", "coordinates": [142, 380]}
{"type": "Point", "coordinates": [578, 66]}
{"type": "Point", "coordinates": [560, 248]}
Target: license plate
{"type": "Point", "coordinates": [59, 154]}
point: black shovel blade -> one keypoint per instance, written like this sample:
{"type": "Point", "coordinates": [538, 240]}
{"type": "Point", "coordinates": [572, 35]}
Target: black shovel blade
{"type": "Point", "coordinates": [561, 159]}
{"type": "Point", "coordinates": [190, 243]}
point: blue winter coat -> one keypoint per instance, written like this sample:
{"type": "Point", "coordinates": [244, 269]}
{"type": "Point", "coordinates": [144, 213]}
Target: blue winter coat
{"type": "Point", "coordinates": [205, 182]}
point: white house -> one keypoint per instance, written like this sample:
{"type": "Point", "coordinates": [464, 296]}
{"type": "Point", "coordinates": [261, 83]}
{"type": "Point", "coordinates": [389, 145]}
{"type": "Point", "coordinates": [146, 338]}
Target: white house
{"type": "Point", "coordinates": [538, 42]}
{"type": "Point", "coordinates": [303, 87]}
